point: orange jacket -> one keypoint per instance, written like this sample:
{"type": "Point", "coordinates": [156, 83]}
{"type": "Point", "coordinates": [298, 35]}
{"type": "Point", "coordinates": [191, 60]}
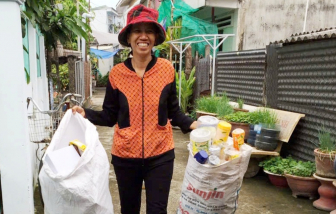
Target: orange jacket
{"type": "Point", "coordinates": [141, 108]}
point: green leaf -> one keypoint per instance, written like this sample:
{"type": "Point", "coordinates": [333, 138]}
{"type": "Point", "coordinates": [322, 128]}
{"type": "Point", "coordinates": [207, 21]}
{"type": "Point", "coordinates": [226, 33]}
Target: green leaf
{"type": "Point", "coordinates": [72, 11]}
{"type": "Point", "coordinates": [27, 76]}
{"type": "Point", "coordinates": [25, 49]}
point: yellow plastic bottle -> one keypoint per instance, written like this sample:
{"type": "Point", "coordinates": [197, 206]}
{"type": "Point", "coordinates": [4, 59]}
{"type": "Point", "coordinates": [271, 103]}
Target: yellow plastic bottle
{"type": "Point", "coordinates": [222, 133]}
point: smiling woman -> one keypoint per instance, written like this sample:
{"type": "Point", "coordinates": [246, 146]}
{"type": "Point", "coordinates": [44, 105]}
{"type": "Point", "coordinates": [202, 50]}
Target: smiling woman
{"type": "Point", "coordinates": [141, 38]}
{"type": "Point", "coordinates": [141, 102]}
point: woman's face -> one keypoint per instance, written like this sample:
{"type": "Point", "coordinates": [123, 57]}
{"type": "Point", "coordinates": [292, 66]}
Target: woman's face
{"type": "Point", "coordinates": [142, 38]}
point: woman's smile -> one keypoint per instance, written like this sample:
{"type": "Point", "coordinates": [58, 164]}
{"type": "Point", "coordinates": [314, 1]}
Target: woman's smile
{"type": "Point", "coordinates": [142, 38]}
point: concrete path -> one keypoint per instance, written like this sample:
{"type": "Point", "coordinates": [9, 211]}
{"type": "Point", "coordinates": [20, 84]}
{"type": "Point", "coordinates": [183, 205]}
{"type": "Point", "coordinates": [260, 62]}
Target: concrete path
{"type": "Point", "coordinates": [257, 196]}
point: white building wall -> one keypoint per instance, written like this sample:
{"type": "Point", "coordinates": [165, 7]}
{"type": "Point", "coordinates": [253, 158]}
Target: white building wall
{"type": "Point", "coordinates": [38, 90]}
{"type": "Point", "coordinates": [99, 23]}
{"type": "Point", "coordinates": [18, 156]}
{"type": "Point", "coordinates": [105, 65]}
{"type": "Point", "coordinates": [32, 90]}
{"type": "Point", "coordinates": [124, 11]}
{"type": "Point", "coordinates": [15, 148]}
{"type": "Point", "coordinates": [261, 22]}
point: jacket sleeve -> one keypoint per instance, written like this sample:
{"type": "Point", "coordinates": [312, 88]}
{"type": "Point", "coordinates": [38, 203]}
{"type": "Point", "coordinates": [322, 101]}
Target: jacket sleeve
{"type": "Point", "coordinates": [178, 118]}
{"type": "Point", "coordinates": [108, 116]}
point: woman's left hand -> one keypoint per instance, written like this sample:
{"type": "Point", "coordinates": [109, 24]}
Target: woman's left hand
{"type": "Point", "coordinates": [194, 125]}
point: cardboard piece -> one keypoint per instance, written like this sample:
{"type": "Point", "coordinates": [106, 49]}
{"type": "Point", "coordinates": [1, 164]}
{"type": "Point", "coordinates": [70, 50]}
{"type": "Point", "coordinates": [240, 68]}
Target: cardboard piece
{"type": "Point", "coordinates": [62, 161]}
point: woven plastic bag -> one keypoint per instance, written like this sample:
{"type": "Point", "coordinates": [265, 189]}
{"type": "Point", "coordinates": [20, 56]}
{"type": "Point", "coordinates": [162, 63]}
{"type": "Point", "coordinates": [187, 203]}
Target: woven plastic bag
{"type": "Point", "coordinates": [86, 188]}
{"type": "Point", "coordinates": [213, 189]}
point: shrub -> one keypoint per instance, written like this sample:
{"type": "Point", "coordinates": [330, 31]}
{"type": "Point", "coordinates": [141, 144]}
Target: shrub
{"type": "Point", "coordinates": [102, 81]}
{"type": "Point", "coordinates": [277, 165]}
{"type": "Point", "coordinates": [187, 86]}
{"type": "Point", "coordinates": [280, 166]}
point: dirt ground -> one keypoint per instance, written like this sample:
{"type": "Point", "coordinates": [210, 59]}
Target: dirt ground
{"type": "Point", "coordinates": [257, 195]}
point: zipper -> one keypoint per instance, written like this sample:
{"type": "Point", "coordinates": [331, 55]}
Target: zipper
{"type": "Point", "coordinates": [143, 123]}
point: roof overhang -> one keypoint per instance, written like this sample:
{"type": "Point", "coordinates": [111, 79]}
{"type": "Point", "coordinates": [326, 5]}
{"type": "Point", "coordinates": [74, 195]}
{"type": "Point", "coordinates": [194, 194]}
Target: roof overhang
{"type": "Point", "coordinates": [105, 38]}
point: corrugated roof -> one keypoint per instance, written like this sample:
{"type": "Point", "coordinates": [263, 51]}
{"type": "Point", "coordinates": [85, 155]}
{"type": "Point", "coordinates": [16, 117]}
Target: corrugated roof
{"type": "Point", "coordinates": [326, 33]}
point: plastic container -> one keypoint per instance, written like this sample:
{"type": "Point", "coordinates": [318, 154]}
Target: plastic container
{"type": "Point", "coordinates": [231, 154]}
{"type": "Point", "coordinates": [201, 157]}
{"type": "Point", "coordinates": [214, 160]}
{"type": "Point", "coordinates": [238, 136]}
{"type": "Point", "coordinates": [251, 141]}
{"type": "Point", "coordinates": [214, 150]}
{"type": "Point", "coordinates": [222, 132]}
{"type": "Point", "coordinates": [212, 132]}
{"type": "Point", "coordinates": [252, 133]}
{"type": "Point", "coordinates": [266, 139]}
{"type": "Point", "coordinates": [207, 121]}
{"type": "Point", "coordinates": [265, 146]}
{"type": "Point", "coordinates": [200, 140]}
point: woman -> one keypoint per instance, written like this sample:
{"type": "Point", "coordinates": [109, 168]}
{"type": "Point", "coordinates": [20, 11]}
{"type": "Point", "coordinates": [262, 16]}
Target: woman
{"type": "Point", "coordinates": [141, 102]}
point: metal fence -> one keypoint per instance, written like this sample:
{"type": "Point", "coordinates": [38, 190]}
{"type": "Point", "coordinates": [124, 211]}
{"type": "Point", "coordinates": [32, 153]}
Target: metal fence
{"type": "Point", "coordinates": [241, 75]}
{"type": "Point", "coordinates": [298, 77]}
{"type": "Point", "coordinates": [79, 80]}
{"type": "Point", "coordinates": [301, 78]}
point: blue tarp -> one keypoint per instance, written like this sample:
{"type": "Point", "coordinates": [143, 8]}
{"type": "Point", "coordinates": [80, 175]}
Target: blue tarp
{"type": "Point", "coordinates": [103, 54]}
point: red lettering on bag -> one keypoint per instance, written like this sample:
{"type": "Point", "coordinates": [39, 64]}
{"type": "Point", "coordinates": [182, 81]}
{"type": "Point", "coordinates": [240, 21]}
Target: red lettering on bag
{"type": "Point", "coordinates": [205, 195]}
{"type": "Point", "coordinates": [182, 210]}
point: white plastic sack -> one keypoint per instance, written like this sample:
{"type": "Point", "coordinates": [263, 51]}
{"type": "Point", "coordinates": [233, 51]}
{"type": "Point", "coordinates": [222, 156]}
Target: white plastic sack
{"type": "Point", "coordinates": [213, 189]}
{"type": "Point", "coordinates": [86, 188]}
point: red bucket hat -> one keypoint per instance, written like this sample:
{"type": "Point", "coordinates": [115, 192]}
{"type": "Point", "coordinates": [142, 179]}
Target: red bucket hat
{"type": "Point", "coordinates": [139, 14]}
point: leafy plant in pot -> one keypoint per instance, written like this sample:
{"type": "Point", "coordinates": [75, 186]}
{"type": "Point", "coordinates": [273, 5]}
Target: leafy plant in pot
{"type": "Point", "coordinates": [217, 106]}
{"type": "Point", "coordinates": [268, 131]}
{"type": "Point", "coordinates": [325, 154]}
{"type": "Point", "coordinates": [300, 179]}
{"type": "Point", "coordinates": [240, 105]}
{"type": "Point", "coordinates": [275, 168]}
{"type": "Point", "coordinates": [239, 119]}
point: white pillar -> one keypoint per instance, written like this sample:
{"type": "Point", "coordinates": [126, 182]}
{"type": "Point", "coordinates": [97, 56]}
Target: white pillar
{"type": "Point", "coordinates": [15, 158]}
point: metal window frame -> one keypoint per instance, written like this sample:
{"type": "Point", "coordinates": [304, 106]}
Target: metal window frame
{"type": "Point", "coordinates": [177, 44]}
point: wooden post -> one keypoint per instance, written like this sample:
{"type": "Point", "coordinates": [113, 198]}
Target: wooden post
{"type": "Point", "coordinates": [207, 50]}
{"type": "Point", "coordinates": [188, 65]}
{"type": "Point", "coordinates": [71, 68]}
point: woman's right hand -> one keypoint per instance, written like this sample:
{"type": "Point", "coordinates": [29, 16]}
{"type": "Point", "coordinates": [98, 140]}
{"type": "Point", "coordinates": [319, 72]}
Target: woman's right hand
{"type": "Point", "coordinates": [79, 110]}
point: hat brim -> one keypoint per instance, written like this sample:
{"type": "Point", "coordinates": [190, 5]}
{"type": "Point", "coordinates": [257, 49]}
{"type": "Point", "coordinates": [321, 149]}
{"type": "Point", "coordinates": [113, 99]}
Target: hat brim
{"type": "Point", "coordinates": [122, 37]}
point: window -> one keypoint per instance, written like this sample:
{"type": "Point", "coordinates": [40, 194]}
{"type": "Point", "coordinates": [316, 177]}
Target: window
{"type": "Point", "coordinates": [25, 42]}
{"type": "Point", "coordinates": [224, 24]}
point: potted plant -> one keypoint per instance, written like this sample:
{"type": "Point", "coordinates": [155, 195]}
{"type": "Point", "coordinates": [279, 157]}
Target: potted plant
{"type": "Point", "coordinates": [217, 106]}
{"type": "Point", "coordinates": [325, 154]}
{"type": "Point", "coordinates": [240, 106]}
{"type": "Point", "coordinates": [300, 179]}
{"type": "Point", "coordinates": [268, 131]}
{"type": "Point", "coordinates": [275, 168]}
{"type": "Point", "coordinates": [267, 138]}
{"type": "Point", "coordinates": [239, 119]}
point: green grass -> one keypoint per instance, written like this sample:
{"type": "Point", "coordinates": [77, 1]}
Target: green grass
{"type": "Point", "coordinates": [264, 116]}
{"type": "Point", "coordinates": [326, 143]}
{"type": "Point", "coordinates": [240, 103]}
{"type": "Point", "coordinates": [217, 104]}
